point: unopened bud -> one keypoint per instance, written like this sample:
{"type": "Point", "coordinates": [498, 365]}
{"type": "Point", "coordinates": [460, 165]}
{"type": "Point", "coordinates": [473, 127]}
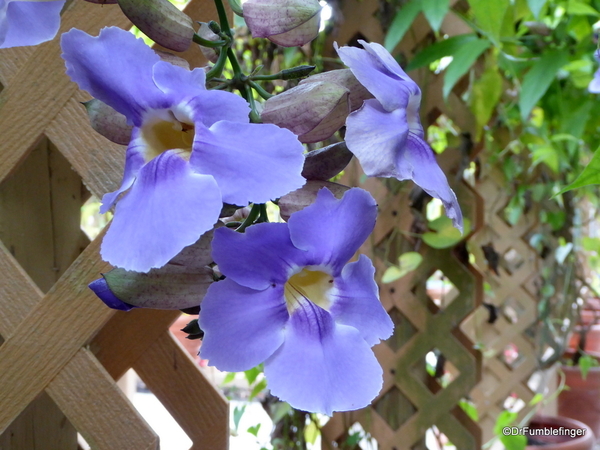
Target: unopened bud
{"type": "Point", "coordinates": [343, 77]}
{"type": "Point", "coordinates": [311, 111]}
{"type": "Point", "coordinates": [296, 72]}
{"type": "Point", "coordinates": [161, 21]}
{"type": "Point", "coordinates": [207, 33]}
{"type": "Point", "coordinates": [108, 122]}
{"type": "Point", "coordinates": [306, 195]}
{"type": "Point", "coordinates": [326, 162]}
{"type": "Point", "coordinates": [288, 23]}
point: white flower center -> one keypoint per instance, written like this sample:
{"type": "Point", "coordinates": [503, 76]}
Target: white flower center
{"type": "Point", "coordinates": [164, 132]}
{"type": "Point", "coordinates": [308, 285]}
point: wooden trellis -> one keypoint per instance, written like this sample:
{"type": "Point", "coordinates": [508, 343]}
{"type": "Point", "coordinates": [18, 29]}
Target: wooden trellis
{"type": "Point", "coordinates": [411, 401]}
{"type": "Point", "coordinates": [63, 348]}
{"type": "Point", "coordinates": [510, 355]}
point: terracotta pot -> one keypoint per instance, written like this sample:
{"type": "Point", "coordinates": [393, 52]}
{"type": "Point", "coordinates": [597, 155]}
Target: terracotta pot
{"type": "Point", "coordinates": [560, 442]}
{"type": "Point", "coordinates": [582, 400]}
{"type": "Point", "coordinates": [592, 339]}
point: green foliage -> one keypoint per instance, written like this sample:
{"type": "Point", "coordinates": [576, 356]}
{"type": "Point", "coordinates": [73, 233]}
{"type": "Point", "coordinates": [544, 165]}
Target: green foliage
{"type": "Point", "coordinates": [538, 79]}
{"type": "Point", "coordinates": [444, 235]}
{"type": "Point", "coordinates": [489, 16]}
{"type": "Point", "coordinates": [462, 60]}
{"type": "Point", "coordinates": [407, 262]}
{"type": "Point", "coordinates": [590, 175]}
{"type": "Point", "coordinates": [401, 23]}
{"type": "Point", "coordinates": [586, 362]}
{"type": "Point", "coordinates": [435, 11]}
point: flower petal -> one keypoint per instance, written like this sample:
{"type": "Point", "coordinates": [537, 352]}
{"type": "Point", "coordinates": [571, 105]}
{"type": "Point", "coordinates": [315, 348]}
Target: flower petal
{"type": "Point", "coordinates": [101, 289]}
{"type": "Point", "coordinates": [211, 107]}
{"type": "Point", "coordinates": [323, 366]}
{"type": "Point", "coordinates": [262, 256]}
{"type": "Point", "coordinates": [174, 79]}
{"type": "Point", "coordinates": [594, 86]}
{"type": "Point", "coordinates": [388, 86]}
{"type": "Point", "coordinates": [331, 230]}
{"type": "Point", "coordinates": [251, 162]}
{"type": "Point", "coordinates": [168, 207]}
{"type": "Point", "coordinates": [375, 136]}
{"type": "Point", "coordinates": [418, 158]}
{"type": "Point", "coordinates": [29, 23]}
{"type": "Point", "coordinates": [355, 302]}
{"type": "Point", "coordinates": [242, 327]}
{"type": "Point", "coordinates": [116, 68]}
{"type": "Point", "coordinates": [134, 160]}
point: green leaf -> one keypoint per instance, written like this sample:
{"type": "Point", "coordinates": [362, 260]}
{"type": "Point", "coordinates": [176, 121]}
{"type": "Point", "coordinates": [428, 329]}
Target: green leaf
{"type": "Point", "coordinates": [536, 399]}
{"type": "Point", "coordinates": [514, 442]}
{"type": "Point", "coordinates": [407, 262]}
{"type": "Point", "coordinates": [311, 432]}
{"type": "Point", "coordinates": [561, 253]}
{"type": "Point", "coordinates": [545, 154]}
{"type": "Point", "coordinates": [432, 53]}
{"type": "Point", "coordinates": [536, 7]}
{"type": "Point", "coordinates": [401, 24]}
{"type": "Point", "coordinates": [229, 377]}
{"type": "Point", "coordinates": [238, 412]}
{"type": "Point", "coordinates": [586, 362]}
{"type": "Point", "coordinates": [575, 7]}
{"type": "Point", "coordinates": [591, 244]}
{"type": "Point", "coordinates": [590, 175]}
{"type": "Point", "coordinates": [485, 94]}
{"type": "Point", "coordinates": [258, 388]}
{"type": "Point", "coordinates": [254, 429]}
{"type": "Point", "coordinates": [462, 60]}
{"type": "Point", "coordinates": [251, 374]}
{"type": "Point", "coordinates": [470, 409]}
{"type": "Point", "coordinates": [537, 81]}
{"type": "Point", "coordinates": [444, 234]}
{"type": "Point", "coordinates": [489, 15]}
{"type": "Point", "coordinates": [505, 418]}
{"type": "Point", "coordinates": [435, 11]}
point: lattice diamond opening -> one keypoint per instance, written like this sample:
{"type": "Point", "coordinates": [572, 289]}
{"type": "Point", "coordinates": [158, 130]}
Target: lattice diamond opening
{"type": "Point", "coordinates": [511, 356]}
{"type": "Point", "coordinates": [436, 440]}
{"type": "Point", "coordinates": [40, 214]}
{"type": "Point", "coordinates": [403, 330]}
{"type": "Point", "coordinates": [394, 408]}
{"type": "Point", "coordinates": [512, 403]}
{"type": "Point", "coordinates": [512, 310]}
{"type": "Point", "coordinates": [92, 222]}
{"type": "Point", "coordinates": [512, 260]}
{"type": "Point", "coordinates": [440, 290]}
{"type": "Point", "coordinates": [435, 370]}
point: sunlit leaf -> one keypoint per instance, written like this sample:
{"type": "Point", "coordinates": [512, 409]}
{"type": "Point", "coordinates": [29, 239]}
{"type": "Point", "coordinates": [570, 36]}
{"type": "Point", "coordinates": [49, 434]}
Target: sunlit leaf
{"type": "Point", "coordinates": [591, 244]}
{"type": "Point", "coordinates": [462, 61]}
{"type": "Point", "coordinates": [537, 81]}
{"type": "Point", "coordinates": [575, 7]}
{"type": "Point", "coordinates": [536, 399]}
{"type": "Point", "coordinates": [590, 175]}
{"type": "Point", "coordinates": [489, 15]}
{"type": "Point", "coordinates": [254, 429]}
{"type": "Point", "coordinates": [485, 94]}
{"type": "Point", "coordinates": [470, 409]}
{"type": "Point", "coordinates": [401, 23]}
{"type": "Point", "coordinates": [444, 234]}
{"type": "Point", "coordinates": [258, 388]}
{"type": "Point", "coordinates": [514, 442]}
{"type": "Point", "coordinates": [586, 362]}
{"type": "Point", "coordinates": [311, 432]}
{"type": "Point", "coordinates": [432, 53]}
{"type": "Point", "coordinates": [407, 262]}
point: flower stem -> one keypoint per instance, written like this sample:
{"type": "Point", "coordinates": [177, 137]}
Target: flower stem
{"type": "Point", "coordinates": [217, 69]}
{"type": "Point", "coordinates": [252, 216]}
{"type": "Point", "coordinates": [258, 88]}
{"type": "Point", "coordinates": [206, 43]}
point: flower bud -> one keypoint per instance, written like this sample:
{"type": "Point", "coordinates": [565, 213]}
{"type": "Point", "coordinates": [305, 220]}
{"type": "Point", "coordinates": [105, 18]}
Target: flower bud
{"type": "Point", "coordinates": [161, 21]}
{"type": "Point", "coordinates": [306, 195]}
{"type": "Point", "coordinates": [326, 162]}
{"type": "Point", "coordinates": [108, 122]}
{"type": "Point", "coordinates": [288, 23]}
{"type": "Point", "coordinates": [343, 77]}
{"type": "Point", "coordinates": [205, 32]}
{"type": "Point", "coordinates": [312, 111]}
{"type": "Point", "coordinates": [180, 284]}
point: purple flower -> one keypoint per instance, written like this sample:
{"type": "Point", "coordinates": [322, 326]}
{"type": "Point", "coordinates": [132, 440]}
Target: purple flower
{"type": "Point", "coordinates": [191, 149]}
{"type": "Point", "coordinates": [292, 301]}
{"type": "Point", "coordinates": [386, 134]}
{"type": "Point", "coordinates": [28, 23]}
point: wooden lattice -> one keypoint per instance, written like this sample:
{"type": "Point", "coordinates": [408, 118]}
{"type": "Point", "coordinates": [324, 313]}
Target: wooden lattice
{"type": "Point", "coordinates": [63, 348]}
{"type": "Point", "coordinates": [510, 356]}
